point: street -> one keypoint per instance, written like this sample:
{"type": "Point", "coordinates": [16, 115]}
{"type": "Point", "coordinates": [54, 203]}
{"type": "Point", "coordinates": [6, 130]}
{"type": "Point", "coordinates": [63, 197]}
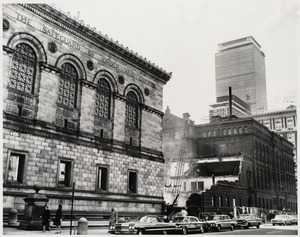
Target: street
{"type": "Point", "coordinates": [267, 229]}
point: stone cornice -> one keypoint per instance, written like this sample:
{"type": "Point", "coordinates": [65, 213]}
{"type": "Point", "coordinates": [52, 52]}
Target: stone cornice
{"type": "Point", "coordinates": [60, 19]}
{"type": "Point", "coordinates": [120, 97]}
{"type": "Point", "coordinates": [8, 50]}
{"type": "Point", "coordinates": [49, 68]}
{"type": "Point", "coordinates": [152, 110]}
{"type": "Point", "coordinates": [81, 194]}
{"type": "Point", "coordinates": [87, 84]}
{"type": "Point", "coordinates": [28, 126]}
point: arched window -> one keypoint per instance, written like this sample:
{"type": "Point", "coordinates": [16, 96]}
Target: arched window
{"type": "Point", "coordinates": [234, 130]}
{"type": "Point", "coordinates": [224, 132]}
{"type": "Point", "coordinates": [68, 85]}
{"type": "Point", "coordinates": [214, 133]}
{"type": "Point", "coordinates": [103, 99]}
{"type": "Point", "coordinates": [131, 116]}
{"type": "Point", "coordinates": [240, 130]}
{"type": "Point", "coordinates": [23, 68]}
{"type": "Point", "coordinates": [229, 131]}
{"type": "Point", "coordinates": [245, 129]}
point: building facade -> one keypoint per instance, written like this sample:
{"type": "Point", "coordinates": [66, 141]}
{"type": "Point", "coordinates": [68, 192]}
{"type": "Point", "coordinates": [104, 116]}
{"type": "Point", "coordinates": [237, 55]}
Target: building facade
{"type": "Point", "coordinates": [78, 109]}
{"type": "Point", "coordinates": [236, 163]}
{"type": "Point", "coordinates": [240, 64]}
{"type": "Point", "coordinates": [282, 122]}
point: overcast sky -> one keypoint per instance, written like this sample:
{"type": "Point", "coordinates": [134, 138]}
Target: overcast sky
{"type": "Point", "coordinates": [181, 36]}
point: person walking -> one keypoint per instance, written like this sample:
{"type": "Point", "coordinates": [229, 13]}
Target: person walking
{"type": "Point", "coordinates": [46, 219]}
{"type": "Point", "coordinates": [113, 217]}
{"type": "Point", "coordinates": [58, 218]}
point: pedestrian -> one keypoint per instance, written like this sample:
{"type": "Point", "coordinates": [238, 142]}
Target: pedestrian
{"type": "Point", "coordinates": [58, 218]}
{"type": "Point", "coordinates": [113, 217]}
{"type": "Point", "coordinates": [46, 219]}
{"type": "Point", "coordinates": [184, 212]}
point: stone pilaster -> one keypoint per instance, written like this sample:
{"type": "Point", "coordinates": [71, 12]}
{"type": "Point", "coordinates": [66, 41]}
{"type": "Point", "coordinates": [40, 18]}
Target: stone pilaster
{"type": "Point", "coordinates": [87, 108]}
{"type": "Point", "coordinates": [119, 118]}
{"type": "Point", "coordinates": [48, 94]}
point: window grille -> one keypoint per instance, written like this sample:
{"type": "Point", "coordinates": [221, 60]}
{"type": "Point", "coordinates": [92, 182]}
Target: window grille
{"type": "Point", "coordinates": [23, 68]}
{"type": "Point", "coordinates": [68, 85]}
{"type": "Point", "coordinates": [103, 99]}
{"type": "Point", "coordinates": [131, 116]}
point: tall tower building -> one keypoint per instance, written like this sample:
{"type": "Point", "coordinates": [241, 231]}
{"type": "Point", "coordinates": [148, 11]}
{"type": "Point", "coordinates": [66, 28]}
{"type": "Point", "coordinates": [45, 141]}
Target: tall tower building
{"type": "Point", "coordinates": [240, 64]}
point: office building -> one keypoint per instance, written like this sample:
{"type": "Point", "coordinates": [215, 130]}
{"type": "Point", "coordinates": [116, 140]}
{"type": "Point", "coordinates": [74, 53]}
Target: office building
{"type": "Point", "coordinates": [240, 64]}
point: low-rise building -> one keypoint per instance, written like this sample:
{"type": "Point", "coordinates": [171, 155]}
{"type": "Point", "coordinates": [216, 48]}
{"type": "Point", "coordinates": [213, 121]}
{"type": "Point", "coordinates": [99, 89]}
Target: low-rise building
{"type": "Point", "coordinates": [233, 162]}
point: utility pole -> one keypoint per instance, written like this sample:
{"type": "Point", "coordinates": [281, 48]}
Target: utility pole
{"type": "Point", "coordinates": [72, 208]}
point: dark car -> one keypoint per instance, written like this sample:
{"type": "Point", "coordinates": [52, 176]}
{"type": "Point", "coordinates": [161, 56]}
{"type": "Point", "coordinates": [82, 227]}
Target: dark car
{"type": "Point", "coordinates": [150, 224]}
{"type": "Point", "coordinates": [248, 220]}
{"type": "Point", "coordinates": [218, 222]}
{"type": "Point", "coordinates": [189, 224]}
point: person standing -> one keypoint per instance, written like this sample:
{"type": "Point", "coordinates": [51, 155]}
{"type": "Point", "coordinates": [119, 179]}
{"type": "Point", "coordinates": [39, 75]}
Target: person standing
{"type": "Point", "coordinates": [184, 212]}
{"type": "Point", "coordinates": [46, 219]}
{"type": "Point", "coordinates": [113, 217]}
{"type": "Point", "coordinates": [58, 218]}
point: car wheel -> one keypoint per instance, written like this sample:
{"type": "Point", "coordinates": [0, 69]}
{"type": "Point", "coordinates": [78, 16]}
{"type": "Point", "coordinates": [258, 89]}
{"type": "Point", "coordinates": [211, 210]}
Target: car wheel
{"type": "Point", "coordinates": [258, 225]}
{"type": "Point", "coordinates": [231, 227]}
{"type": "Point", "coordinates": [141, 232]}
{"type": "Point", "coordinates": [247, 227]}
{"type": "Point", "coordinates": [184, 231]}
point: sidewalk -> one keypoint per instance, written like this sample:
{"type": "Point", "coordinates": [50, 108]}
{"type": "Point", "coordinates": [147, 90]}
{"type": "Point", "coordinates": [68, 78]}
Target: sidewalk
{"type": "Point", "coordinates": [94, 227]}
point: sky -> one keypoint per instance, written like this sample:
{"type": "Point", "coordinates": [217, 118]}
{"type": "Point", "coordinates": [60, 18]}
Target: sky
{"type": "Point", "coordinates": [182, 37]}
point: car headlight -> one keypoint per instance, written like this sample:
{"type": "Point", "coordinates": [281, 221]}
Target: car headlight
{"type": "Point", "coordinates": [131, 227]}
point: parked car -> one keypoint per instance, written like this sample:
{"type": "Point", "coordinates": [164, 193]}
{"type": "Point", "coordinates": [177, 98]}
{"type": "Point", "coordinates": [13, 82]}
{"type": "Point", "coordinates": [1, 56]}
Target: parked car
{"type": "Point", "coordinates": [294, 219]}
{"type": "Point", "coordinates": [248, 220]}
{"type": "Point", "coordinates": [189, 224]}
{"type": "Point", "coordinates": [218, 222]}
{"type": "Point", "coordinates": [282, 220]}
{"type": "Point", "coordinates": [149, 224]}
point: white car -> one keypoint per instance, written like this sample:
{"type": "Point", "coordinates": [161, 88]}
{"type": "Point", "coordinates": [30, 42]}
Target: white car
{"type": "Point", "coordinates": [282, 220]}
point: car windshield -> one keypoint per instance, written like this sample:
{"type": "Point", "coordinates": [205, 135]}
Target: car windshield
{"type": "Point", "coordinates": [149, 219]}
{"type": "Point", "coordinates": [180, 219]}
{"type": "Point", "coordinates": [247, 217]}
{"type": "Point", "coordinates": [280, 217]}
{"type": "Point", "coordinates": [133, 219]}
{"type": "Point", "coordinates": [214, 218]}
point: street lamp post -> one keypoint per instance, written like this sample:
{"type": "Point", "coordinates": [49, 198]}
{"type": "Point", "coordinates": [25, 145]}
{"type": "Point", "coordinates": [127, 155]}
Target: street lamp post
{"type": "Point", "coordinates": [73, 190]}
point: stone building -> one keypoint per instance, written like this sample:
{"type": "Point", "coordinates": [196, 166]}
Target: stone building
{"type": "Point", "coordinates": [232, 162]}
{"type": "Point", "coordinates": [78, 108]}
